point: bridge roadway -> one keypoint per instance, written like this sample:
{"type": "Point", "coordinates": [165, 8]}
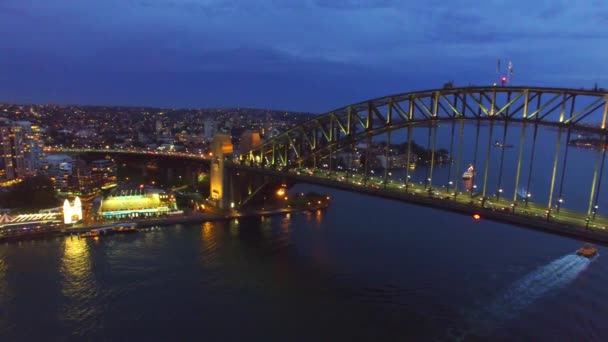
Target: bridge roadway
{"type": "Point", "coordinates": [532, 215]}
{"type": "Point", "coordinates": [566, 222]}
{"type": "Point", "coordinates": [133, 151]}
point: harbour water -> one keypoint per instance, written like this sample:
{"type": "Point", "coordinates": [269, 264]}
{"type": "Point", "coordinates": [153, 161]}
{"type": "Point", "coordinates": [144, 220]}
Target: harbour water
{"type": "Point", "coordinates": [365, 269]}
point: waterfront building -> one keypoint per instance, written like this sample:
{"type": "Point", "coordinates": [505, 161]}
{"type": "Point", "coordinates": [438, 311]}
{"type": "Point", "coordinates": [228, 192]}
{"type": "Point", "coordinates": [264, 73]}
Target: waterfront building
{"type": "Point", "coordinates": [137, 203]}
{"type": "Point", "coordinates": [29, 223]}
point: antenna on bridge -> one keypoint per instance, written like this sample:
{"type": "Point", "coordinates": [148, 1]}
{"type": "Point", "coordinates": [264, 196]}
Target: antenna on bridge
{"type": "Point", "coordinates": [504, 78]}
{"type": "Point", "coordinates": [498, 66]}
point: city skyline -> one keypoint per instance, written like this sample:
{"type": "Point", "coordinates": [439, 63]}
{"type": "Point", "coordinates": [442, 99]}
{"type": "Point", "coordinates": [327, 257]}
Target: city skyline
{"type": "Point", "coordinates": [292, 55]}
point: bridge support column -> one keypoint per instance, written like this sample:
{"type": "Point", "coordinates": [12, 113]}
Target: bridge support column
{"type": "Point", "coordinates": [408, 156]}
{"type": "Point", "coordinates": [429, 147]}
{"type": "Point", "coordinates": [502, 161]}
{"type": "Point", "coordinates": [554, 172]}
{"type": "Point", "coordinates": [597, 179]}
{"type": "Point", "coordinates": [527, 198]}
{"type": "Point", "coordinates": [449, 182]}
{"type": "Point", "coordinates": [219, 178]}
{"type": "Point", "coordinates": [433, 147]}
{"type": "Point", "coordinates": [519, 161]}
{"type": "Point", "coordinates": [331, 162]}
{"type": "Point", "coordinates": [563, 175]}
{"type": "Point", "coordinates": [487, 167]}
{"type": "Point", "coordinates": [367, 157]}
{"type": "Point", "coordinates": [474, 188]}
{"type": "Point", "coordinates": [387, 160]}
{"type": "Point", "coordinates": [459, 158]}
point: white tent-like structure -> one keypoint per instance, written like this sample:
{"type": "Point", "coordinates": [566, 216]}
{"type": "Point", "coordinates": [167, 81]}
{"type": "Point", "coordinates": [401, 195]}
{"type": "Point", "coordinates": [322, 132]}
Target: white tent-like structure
{"type": "Point", "coordinates": [72, 213]}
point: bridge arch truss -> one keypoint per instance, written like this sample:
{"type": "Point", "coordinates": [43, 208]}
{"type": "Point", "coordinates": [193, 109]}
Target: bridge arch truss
{"type": "Point", "coordinates": [584, 110]}
{"type": "Point", "coordinates": [566, 109]}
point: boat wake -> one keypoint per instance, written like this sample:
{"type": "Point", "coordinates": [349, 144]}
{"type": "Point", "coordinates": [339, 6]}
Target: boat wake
{"type": "Point", "coordinates": [521, 294]}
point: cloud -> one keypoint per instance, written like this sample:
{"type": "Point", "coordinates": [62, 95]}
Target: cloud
{"type": "Point", "coordinates": [354, 4]}
{"type": "Point", "coordinates": [363, 42]}
{"type": "Point", "coordinates": [9, 11]}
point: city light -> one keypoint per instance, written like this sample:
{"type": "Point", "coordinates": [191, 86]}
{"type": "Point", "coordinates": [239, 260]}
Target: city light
{"type": "Point", "coordinates": [476, 216]}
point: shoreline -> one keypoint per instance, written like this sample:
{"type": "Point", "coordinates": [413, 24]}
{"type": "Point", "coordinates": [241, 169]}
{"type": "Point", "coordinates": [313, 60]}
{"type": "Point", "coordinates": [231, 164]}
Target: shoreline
{"type": "Point", "coordinates": [144, 223]}
{"type": "Point", "coordinates": [553, 226]}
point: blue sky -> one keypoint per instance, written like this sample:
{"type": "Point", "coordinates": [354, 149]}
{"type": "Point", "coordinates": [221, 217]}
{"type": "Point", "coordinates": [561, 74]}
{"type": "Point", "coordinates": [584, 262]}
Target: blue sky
{"type": "Point", "coordinates": [311, 55]}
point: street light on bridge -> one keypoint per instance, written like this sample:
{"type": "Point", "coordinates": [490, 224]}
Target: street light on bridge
{"type": "Point", "coordinates": [594, 211]}
{"type": "Point", "coordinates": [559, 204]}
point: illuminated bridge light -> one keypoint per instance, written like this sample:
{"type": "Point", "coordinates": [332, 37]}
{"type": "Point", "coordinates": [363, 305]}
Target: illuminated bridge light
{"type": "Point", "coordinates": [476, 216]}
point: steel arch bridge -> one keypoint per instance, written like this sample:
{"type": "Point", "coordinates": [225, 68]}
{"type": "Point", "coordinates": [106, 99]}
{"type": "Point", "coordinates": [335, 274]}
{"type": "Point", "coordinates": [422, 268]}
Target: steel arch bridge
{"type": "Point", "coordinates": [316, 141]}
{"type": "Point", "coordinates": [568, 110]}
{"type": "Point", "coordinates": [577, 109]}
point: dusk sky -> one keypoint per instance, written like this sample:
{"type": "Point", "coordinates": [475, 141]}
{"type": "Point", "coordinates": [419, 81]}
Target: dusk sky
{"type": "Point", "coordinates": [309, 55]}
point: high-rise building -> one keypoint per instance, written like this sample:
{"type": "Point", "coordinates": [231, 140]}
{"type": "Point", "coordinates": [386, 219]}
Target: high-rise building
{"type": "Point", "coordinates": [21, 148]}
{"type": "Point", "coordinates": [210, 128]}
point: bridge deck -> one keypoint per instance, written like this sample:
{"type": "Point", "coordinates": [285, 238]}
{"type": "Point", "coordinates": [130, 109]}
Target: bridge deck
{"type": "Point", "coordinates": [566, 222]}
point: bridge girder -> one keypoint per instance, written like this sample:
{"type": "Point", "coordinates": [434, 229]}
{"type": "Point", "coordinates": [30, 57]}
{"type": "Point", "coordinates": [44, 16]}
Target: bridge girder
{"type": "Point", "coordinates": [584, 110]}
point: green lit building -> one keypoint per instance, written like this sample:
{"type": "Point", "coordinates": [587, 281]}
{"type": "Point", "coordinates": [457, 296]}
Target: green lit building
{"type": "Point", "coordinates": [137, 204]}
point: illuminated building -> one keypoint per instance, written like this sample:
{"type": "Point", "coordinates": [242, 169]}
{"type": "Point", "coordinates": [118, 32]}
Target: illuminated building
{"type": "Point", "coordinates": [28, 223]}
{"type": "Point", "coordinates": [21, 148]}
{"type": "Point", "coordinates": [137, 203]}
{"type": "Point", "coordinates": [72, 213]}
{"type": "Point", "coordinates": [72, 175]}
{"type": "Point", "coordinates": [103, 173]}
{"type": "Point", "coordinates": [59, 168]}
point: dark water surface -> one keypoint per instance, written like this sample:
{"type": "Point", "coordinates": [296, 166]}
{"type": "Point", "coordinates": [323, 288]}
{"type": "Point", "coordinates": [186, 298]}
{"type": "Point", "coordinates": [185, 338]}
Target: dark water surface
{"type": "Point", "coordinates": [365, 270]}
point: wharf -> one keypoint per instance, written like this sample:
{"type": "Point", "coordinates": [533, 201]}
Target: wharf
{"type": "Point", "coordinates": [142, 223]}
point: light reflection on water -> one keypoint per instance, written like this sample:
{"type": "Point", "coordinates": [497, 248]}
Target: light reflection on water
{"type": "Point", "coordinates": [209, 243]}
{"type": "Point", "coordinates": [78, 284]}
{"type": "Point", "coordinates": [403, 271]}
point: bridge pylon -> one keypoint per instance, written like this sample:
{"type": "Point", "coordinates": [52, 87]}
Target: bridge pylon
{"type": "Point", "coordinates": [220, 147]}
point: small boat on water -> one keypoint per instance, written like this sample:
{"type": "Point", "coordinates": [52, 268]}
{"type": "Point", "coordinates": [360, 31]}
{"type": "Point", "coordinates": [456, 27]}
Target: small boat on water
{"type": "Point", "coordinates": [588, 251]}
